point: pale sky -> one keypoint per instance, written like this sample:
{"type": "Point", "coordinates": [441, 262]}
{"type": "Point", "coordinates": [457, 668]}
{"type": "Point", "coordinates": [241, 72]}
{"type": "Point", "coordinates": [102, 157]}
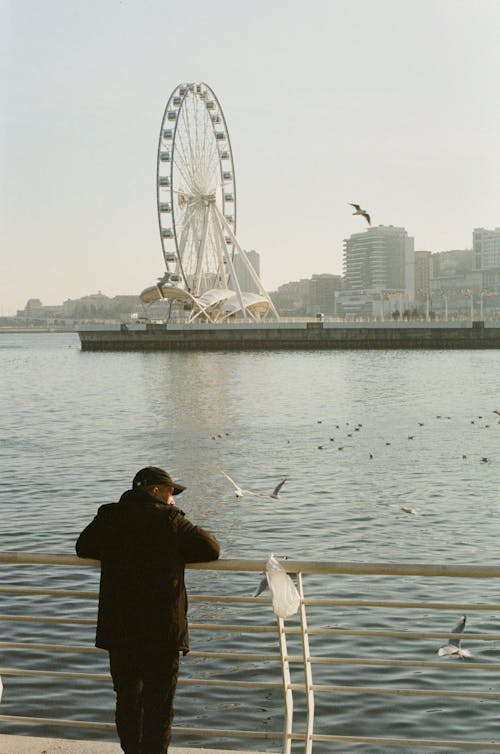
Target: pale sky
{"type": "Point", "coordinates": [393, 104]}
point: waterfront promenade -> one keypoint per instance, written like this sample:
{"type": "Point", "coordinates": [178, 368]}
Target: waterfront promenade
{"type": "Point", "coordinates": [32, 745]}
{"type": "Point", "coordinates": [414, 671]}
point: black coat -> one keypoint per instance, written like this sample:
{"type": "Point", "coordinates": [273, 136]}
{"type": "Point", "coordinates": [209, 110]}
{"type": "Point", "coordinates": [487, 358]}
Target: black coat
{"type": "Point", "coordinates": [143, 546]}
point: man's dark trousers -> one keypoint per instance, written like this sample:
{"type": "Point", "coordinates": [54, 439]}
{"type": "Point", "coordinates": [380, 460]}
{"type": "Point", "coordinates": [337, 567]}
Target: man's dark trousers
{"type": "Point", "coordinates": [144, 681]}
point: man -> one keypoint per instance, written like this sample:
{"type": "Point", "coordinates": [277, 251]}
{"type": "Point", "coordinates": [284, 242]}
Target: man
{"type": "Point", "coordinates": [143, 543]}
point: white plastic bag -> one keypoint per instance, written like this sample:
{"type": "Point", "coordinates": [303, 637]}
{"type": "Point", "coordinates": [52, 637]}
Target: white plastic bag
{"type": "Point", "coordinates": [286, 599]}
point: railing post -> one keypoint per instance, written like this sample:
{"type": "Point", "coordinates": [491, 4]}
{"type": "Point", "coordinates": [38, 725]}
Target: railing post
{"type": "Point", "coordinates": [308, 680]}
{"type": "Point", "coordinates": [287, 691]}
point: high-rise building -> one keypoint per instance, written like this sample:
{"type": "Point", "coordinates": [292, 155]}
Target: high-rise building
{"type": "Point", "coordinates": [423, 274]}
{"type": "Point", "coordinates": [322, 293]}
{"type": "Point", "coordinates": [245, 279]}
{"type": "Point", "coordinates": [380, 259]}
{"type": "Point", "coordinates": [486, 256]}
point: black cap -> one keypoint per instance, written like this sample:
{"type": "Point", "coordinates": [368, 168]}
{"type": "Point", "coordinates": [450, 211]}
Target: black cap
{"type": "Point", "coordinates": [154, 475]}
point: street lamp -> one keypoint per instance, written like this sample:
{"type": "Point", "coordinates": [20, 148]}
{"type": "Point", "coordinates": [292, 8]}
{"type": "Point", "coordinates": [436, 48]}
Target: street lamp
{"type": "Point", "coordinates": [468, 294]}
{"type": "Point", "coordinates": [427, 302]}
{"type": "Point", "coordinates": [444, 294]}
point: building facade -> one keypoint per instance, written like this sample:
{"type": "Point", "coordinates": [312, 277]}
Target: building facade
{"type": "Point", "coordinates": [379, 265]}
{"type": "Point", "coordinates": [486, 256]}
{"type": "Point", "coordinates": [245, 280]}
{"type": "Point", "coordinates": [323, 290]}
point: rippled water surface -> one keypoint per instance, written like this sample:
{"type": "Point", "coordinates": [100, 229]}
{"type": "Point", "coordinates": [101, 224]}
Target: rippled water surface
{"type": "Point", "coordinates": [359, 435]}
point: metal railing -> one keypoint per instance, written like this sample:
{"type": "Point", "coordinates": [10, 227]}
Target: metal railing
{"type": "Point", "coordinates": [302, 662]}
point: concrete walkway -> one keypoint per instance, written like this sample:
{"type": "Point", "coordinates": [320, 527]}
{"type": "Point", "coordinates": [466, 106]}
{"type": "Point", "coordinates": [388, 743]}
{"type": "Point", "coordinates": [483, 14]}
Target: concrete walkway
{"type": "Point", "coordinates": [30, 745]}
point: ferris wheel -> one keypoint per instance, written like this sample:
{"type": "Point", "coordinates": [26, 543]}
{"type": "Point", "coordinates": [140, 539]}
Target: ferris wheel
{"type": "Point", "coordinates": [196, 203]}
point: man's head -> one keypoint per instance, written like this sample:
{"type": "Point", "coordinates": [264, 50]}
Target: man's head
{"type": "Point", "coordinates": [156, 482]}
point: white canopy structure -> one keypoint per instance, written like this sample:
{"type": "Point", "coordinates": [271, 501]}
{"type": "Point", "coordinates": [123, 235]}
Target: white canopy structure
{"type": "Point", "coordinates": [196, 192]}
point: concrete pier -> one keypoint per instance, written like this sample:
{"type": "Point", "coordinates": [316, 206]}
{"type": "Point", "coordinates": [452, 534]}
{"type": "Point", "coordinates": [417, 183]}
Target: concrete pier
{"type": "Point", "coordinates": [290, 336]}
{"type": "Point", "coordinates": [32, 745]}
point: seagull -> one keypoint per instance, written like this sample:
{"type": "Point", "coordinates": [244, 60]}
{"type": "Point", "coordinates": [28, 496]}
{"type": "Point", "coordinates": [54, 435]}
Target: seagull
{"type": "Point", "coordinates": [275, 493]}
{"type": "Point", "coordinates": [264, 583]}
{"type": "Point", "coordinates": [453, 646]}
{"type": "Point", "coordinates": [497, 411]}
{"type": "Point", "coordinates": [410, 511]}
{"type": "Point", "coordinates": [361, 212]}
{"type": "Point", "coordinates": [238, 491]}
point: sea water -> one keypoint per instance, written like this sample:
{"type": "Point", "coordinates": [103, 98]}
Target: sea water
{"type": "Point", "coordinates": [359, 436]}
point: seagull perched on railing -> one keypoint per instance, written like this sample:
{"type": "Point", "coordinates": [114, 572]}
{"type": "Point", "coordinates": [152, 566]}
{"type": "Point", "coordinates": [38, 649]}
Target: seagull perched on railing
{"type": "Point", "coordinates": [453, 646]}
{"type": "Point", "coordinates": [361, 212]}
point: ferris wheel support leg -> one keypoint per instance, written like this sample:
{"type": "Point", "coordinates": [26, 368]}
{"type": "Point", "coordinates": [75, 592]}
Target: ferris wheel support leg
{"type": "Point", "coordinates": [217, 215]}
{"type": "Point", "coordinates": [246, 262]}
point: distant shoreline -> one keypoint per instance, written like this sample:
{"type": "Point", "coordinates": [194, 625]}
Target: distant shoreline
{"type": "Point", "coordinates": [35, 330]}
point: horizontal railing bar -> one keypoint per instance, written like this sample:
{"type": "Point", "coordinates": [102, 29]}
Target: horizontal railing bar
{"type": "Point", "coordinates": [291, 566]}
{"type": "Point", "coordinates": [345, 632]}
{"type": "Point", "coordinates": [468, 745]}
{"type": "Point", "coordinates": [398, 634]}
{"type": "Point", "coordinates": [106, 677]}
{"type": "Point", "coordinates": [53, 721]}
{"type": "Point", "coordinates": [28, 647]}
{"type": "Point", "coordinates": [364, 663]}
{"type": "Point", "coordinates": [48, 647]}
{"type": "Point", "coordinates": [309, 601]}
{"type": "Point", "coordinates": [264, 629]}
{"type": "Point", "coordinates": [244, 656]}
{"type": "Point", "coordinates": [241, 628]}
{"type": "Point", "coordinates": [320, 688]}
{"type": "Point", "coordinates": [111, 726]}
{"type": "Point", "coordinates": [458, 606]}
{"type": "Point", "coordinates": [54, 674]}
{"type": "Point", "coordinates": [469, 666]}
{"type": "Point", "coordinates": [263, 734]}
{"type": "Point", "coordinates": [400, 692]}
{"type": "Point", "coordinates": [48, 619]}
{"type": "Point", "coordinates": [264, 685]}
{"type": "Point", "coordinates": [29, 591]}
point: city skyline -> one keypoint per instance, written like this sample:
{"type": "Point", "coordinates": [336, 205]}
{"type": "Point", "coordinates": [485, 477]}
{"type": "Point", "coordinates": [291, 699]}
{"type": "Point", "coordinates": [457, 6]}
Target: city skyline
{"type": "Point", "coordinates": [410, 269]}
{"type": "Point", "coordinates": [389, 104]}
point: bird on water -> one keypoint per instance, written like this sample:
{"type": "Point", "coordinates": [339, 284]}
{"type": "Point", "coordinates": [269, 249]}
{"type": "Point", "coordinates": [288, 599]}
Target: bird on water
{"type": "Point", "coordinates": [453, 647]}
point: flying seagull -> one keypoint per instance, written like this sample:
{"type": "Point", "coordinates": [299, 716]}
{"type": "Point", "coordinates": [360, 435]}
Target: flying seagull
{"type": "Point", "coordinates": [238, 491]}
{"type": "Point", "coordinates": [361, 212]}
{"type": "Point", "coordinates": [453, 646]}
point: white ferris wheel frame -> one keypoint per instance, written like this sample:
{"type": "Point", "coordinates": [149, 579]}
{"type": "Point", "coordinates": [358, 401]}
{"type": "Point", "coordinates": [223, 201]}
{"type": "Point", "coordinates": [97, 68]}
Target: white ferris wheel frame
{"type": "Point", "coordinates": [196, 221]}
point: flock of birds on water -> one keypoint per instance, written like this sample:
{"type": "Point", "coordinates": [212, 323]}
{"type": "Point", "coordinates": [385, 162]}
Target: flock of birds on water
{"type": "Point", "coordinates": [453, 647]}
{"type": "Point", "coordinates": [241, 492]}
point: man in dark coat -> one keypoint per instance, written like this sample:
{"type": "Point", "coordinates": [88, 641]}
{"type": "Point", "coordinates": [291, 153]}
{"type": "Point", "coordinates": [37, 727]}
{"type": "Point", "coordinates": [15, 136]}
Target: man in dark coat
{"type": "Point", "coordinates": [143, 543]}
